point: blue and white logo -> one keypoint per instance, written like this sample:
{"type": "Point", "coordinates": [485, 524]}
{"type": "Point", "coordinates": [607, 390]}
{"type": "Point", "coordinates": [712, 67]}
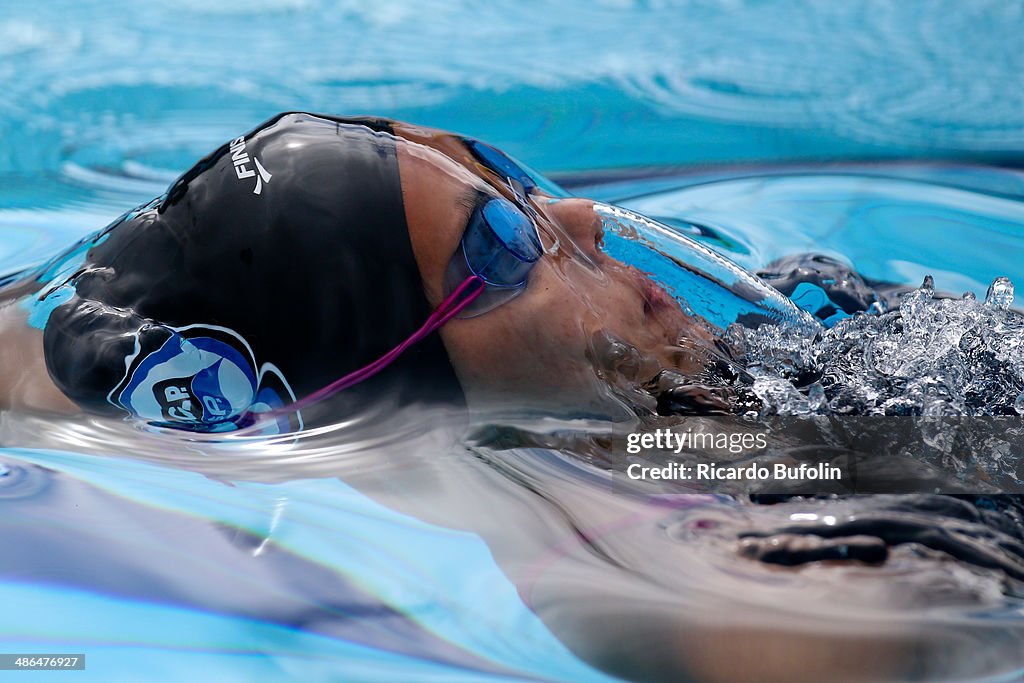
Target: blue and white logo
{"type": "Point", "coordinates": [197, 379]}
{"type": "Point", "coordinates": [203, 378]}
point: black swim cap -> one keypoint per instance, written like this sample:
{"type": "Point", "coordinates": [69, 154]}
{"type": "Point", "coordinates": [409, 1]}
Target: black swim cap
{"type": "Point", "coordinates": [292, 238]}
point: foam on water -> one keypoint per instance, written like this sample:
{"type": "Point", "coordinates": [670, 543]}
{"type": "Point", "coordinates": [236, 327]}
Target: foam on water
{"type": "Point", "coordinates": [931, 356]}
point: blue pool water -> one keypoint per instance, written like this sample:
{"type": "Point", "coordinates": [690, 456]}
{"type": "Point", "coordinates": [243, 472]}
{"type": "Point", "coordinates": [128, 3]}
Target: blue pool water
{"type": "Point", "coordinates": [872, 131]}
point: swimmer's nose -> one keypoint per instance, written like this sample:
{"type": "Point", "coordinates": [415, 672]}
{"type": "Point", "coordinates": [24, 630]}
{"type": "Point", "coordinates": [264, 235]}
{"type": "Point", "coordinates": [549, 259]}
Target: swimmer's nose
{"type": "Point", "coordinates": [579, 222]}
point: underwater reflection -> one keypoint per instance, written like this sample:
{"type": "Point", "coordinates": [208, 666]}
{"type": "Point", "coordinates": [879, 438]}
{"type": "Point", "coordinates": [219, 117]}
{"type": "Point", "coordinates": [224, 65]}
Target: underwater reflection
{"type": "Point", "coordinates": [653, 587]}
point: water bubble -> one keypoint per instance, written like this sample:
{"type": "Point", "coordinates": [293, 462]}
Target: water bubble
{"type": "Point", "coordinates": [912, 301]}
{"type": "Point", "coordinates": [781, 396]}
{"type": "Point", "coordinates": [1000, 294]}
{"type": "Point", "coordinates": [817, 402]}
{"type": "Point", "coordinates": [878, 308]}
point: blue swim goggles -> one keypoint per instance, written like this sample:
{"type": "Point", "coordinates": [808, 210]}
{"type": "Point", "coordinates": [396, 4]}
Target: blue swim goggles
{"type": "Point", "coordinates": [501, 243]}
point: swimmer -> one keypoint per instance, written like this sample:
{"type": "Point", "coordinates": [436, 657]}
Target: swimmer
{"type": "Point", "coordinates": [319, 256]}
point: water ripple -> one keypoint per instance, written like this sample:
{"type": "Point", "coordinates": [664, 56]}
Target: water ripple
{"type": "Point", "coordinates": [860, 78]}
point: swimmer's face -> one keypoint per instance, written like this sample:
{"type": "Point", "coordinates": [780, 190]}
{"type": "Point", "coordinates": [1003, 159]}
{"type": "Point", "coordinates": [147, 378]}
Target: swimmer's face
{"type": "Point", "coordinates": [549, 346]}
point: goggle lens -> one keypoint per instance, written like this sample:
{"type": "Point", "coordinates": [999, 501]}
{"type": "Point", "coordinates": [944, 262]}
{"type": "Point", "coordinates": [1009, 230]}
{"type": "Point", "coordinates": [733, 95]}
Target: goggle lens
{"type": "Point", "coordinates": [500, 246]}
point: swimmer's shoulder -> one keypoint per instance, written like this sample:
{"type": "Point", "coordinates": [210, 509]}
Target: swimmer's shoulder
{"type": "Point", "coordinates": [25, 382]}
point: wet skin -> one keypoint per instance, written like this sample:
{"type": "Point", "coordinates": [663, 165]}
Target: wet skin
{"type": "Point", "coordinates": [24, 380]}
{"type": "Point", "coordinates": [542, 349]}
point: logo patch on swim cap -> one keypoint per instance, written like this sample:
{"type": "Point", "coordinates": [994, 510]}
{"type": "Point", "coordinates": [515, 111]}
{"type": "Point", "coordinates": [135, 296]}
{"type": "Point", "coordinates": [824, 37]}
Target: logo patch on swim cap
{"type": "Point", "coordinates": [204, 379]}
{"type": "Point", "coordinates": [196, 379]}
{"type": "Point", "coordinates": [240, 158]}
